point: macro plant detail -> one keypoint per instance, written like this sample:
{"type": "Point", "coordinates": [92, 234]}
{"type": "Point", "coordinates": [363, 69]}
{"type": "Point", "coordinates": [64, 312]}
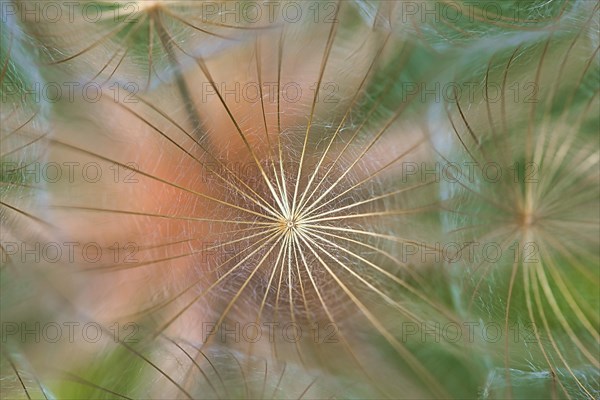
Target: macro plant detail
{"type": "Point", "coordinates": [550, 179]}
{"type": "Point", "coordinates": [133, 43]}
{"type": "Point", "coordinates": [318, 199]}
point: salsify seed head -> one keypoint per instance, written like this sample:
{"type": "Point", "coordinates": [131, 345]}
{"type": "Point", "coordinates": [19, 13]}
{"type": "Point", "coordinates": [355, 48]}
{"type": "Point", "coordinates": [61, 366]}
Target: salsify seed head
{"type": "Point", "coordinates": [376, 200]}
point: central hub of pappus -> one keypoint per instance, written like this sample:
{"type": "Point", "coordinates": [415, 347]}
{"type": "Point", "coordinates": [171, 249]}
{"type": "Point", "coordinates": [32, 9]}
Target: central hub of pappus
{"type": "Point", "coordinates": [290, 224]}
